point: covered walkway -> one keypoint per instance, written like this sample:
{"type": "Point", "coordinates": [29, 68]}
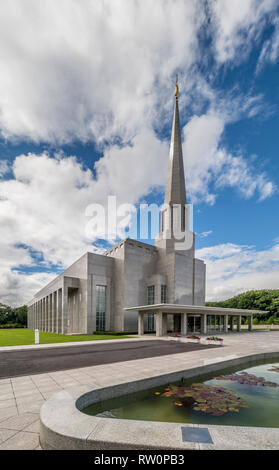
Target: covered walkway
{"type": "Point", "coordinates": [187, 319]}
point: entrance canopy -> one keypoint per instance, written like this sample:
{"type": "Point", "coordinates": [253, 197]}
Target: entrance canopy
{"type": "Point", "coordinates": [208, 316]}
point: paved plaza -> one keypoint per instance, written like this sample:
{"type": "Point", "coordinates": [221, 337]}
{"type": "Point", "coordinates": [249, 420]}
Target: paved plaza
{"type": "Point", "coordinates": [22, 397]}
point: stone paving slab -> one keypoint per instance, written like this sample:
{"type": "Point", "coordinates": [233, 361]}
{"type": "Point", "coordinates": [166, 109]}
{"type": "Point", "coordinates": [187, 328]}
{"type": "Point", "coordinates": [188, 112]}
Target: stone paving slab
{"type": "Point", "coordinates": [235, 345]}
{"type": "Point", "coordinates": [21, 441]}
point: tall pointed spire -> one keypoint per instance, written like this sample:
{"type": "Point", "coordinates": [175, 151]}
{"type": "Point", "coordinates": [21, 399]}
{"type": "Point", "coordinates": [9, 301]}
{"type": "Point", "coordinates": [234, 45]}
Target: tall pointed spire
{"type": "Point", "coordinates": [175, 188]}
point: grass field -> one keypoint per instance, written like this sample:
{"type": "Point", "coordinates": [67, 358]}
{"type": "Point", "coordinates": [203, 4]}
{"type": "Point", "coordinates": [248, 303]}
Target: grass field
{"type": "Point", "coordinates": [19, 337]}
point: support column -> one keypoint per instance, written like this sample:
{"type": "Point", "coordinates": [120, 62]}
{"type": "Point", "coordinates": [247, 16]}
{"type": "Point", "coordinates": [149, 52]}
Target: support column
{"type": "Point", "coordinates": [165, 323]}
{"type": "Point", "coordinates": [64, 310]}
{"type": "Point", "coordinates": [59, 311]}
{"type": "Point", "coordinates": [250, 323]}
{"type": "Point", "coordinates": [159, 324]}
{"type": "Point", "coordinates": [50, 313]}
{"type": "Point", "coordinates": [184, 324]}
{"type": "Point", "coordinates": [232, 322]}
{"type": "Point", "coordinates": [53, 304]}
{"type": "Point", "coordinates": [44, 314]}
{"type": "Point", "coordinates": [239, 323]}
{"type": "Point", "coordinates": [204, 324]}
{"type": "Point", "coordinates": [42, 319]}
{"type": "Point", "coordinates": [140, 323]}
{"type": "Point", "coordinates": [47, 313]}
{"type": "Point", "coordinates": [56, 311]}
{"type": "Point", "coordinates": [41, 314]}
{"type": "Point", "coordinates": [226, 318]}
{"type": "Point", "coordinates": [36, 316]}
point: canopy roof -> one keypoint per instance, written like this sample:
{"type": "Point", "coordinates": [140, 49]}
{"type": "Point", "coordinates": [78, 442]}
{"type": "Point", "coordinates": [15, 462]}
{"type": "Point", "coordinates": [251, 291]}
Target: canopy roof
{"type": "Point", "coordinates": [195, 309]}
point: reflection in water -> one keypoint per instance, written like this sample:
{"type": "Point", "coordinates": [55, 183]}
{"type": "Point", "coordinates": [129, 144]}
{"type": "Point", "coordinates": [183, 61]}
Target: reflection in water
{"type": "Point", "coordinates": [152, 406]}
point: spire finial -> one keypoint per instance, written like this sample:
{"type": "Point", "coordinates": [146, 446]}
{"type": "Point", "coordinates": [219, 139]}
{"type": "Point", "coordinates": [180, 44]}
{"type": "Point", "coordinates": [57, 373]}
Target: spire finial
{"type": "Point", "coordinates": [176, 87]}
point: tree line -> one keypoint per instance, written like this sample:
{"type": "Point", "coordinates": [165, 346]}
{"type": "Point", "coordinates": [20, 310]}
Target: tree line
{"type": "Point", "coordinates": [265, 299]}
{"type": "Point", "coordinates": [13, 317]}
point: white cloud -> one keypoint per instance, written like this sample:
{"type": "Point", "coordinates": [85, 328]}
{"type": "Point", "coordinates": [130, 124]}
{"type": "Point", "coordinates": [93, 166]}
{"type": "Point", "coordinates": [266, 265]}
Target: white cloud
{"type": "Point", "coordinates": [4, 167]}
{"type": "Point", "coordinates": [42, 208]}
{"type": "Point", "coordinates": [208, 162]}
{"type": "Point", "coordinates": [87, 70]}
{"type": "Point", "coordinates": [232, 269]}
{"type": "Point", "coordinates": [270, 48]}
{"type": "Point", "coordinates": [237, 25]}
{"type": "Point", "coordinates": [205, 234]}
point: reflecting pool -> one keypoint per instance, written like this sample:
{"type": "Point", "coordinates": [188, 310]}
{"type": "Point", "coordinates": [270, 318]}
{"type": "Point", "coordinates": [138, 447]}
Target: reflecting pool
{"type": "Point", "coordinates": [237, 397]}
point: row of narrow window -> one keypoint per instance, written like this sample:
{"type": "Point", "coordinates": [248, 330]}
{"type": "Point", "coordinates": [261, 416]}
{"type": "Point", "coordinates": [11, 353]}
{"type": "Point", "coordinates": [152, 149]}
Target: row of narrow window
{"type": "Point", "coordinates": [151, 301]}
{"type": "Point", "coordinates": [151, 294]}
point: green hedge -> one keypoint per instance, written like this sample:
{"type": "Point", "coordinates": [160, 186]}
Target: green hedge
{"type": "Point", "coordinates": [9, 326]}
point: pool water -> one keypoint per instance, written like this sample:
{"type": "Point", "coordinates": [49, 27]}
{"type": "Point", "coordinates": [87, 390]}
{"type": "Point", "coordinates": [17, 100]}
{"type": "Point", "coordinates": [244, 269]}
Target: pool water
{"type": "Point", "coordinates": [150, 405]}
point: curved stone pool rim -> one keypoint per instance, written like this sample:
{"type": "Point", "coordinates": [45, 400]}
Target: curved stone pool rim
{"type": "Point", "coordinates": [64, 427]}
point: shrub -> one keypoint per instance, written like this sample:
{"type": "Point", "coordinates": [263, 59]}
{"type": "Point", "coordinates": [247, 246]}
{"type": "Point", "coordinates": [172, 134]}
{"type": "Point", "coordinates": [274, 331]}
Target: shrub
{"type": "Point", "coordinates": [9, 326]}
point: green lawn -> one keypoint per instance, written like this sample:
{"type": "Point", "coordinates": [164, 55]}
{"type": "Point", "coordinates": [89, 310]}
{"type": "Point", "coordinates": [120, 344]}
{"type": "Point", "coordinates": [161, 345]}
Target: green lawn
{"type": "Point", "coordinates": [18, 337]}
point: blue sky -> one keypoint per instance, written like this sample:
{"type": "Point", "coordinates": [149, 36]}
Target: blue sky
{"type": "Point", "coordinates": [86, 107]}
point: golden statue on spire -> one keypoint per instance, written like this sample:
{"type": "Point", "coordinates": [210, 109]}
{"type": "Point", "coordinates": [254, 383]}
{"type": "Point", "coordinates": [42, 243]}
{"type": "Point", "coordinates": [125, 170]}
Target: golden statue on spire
{"type": "Point", "coordinates": [176, 87]}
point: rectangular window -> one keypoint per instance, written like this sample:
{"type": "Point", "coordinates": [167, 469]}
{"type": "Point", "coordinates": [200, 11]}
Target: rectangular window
{"type": "Point", "coordinates": [163, 294]}
{"type": "Point", "coordinates": [101, 298]}
{"type": "Point", "coordinates": [150, 295]}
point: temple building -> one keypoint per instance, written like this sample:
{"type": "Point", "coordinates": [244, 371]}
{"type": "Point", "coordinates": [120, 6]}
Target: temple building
{"type": "Point", "coordinates": [137, 286]}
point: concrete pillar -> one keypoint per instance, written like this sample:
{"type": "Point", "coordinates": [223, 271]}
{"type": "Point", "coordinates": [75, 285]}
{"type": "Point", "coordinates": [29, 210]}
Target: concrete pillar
{"type": "Point", "coordinates": [45, 314]}
{"type": "Point", "coordinates": [140, 323]}
{"type": "Point", "coordinates": [226, 318]}
{"type": "Point", "coordinates": [59, 311]}
{"type": "Point", "coordinates": [36, 316]}
{"type": "Point", "coordinates": [250, 323]}
{"type": "Point", "coordinates": [204, 324]}
{"type": "Point", "coordinates": [184, 324]}
{"type": "Point", "coordinates": [232, 322]}
{"type": "Point", "coordinates": [165, 324]}
{"type": "Point", "coordinates": [41, 314]}
{"type": "Point", "coordinates": [50, 313]}
{"type": "Point", "coordinates": [56, 311]}
{"type": "Point", "coordinates": [64, 310]}
{"type": "Point", "coordinates": [239, 323]}
{"type": "Point", "coordinates": [53, 305]}
{"type": "Point", "coordinates": [159, 324]}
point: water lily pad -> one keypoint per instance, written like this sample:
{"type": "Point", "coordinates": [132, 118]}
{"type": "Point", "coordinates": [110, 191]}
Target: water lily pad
{"type": "Point", "coordinates": [215, 401]}
{"type": "Point", "coordinates": [247, 379]}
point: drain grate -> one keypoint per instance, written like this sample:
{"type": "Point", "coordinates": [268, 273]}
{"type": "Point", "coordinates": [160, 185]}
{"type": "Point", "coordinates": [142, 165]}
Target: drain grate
{"type": "Point", "coordinates": [196, 435]}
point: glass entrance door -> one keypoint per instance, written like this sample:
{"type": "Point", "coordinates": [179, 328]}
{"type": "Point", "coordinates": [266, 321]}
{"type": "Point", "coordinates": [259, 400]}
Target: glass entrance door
{"type": "Point", "coordinates": [194, 324]}
{"type": "Point", "coordinates": [177, 323]}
